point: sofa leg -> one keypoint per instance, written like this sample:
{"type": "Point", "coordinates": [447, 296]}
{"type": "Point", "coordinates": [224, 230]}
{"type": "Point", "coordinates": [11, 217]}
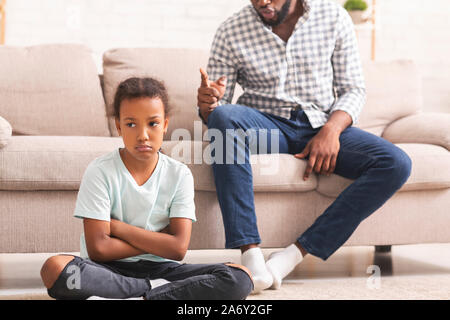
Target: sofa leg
{"type": "Point", "coordinates": [383, 249]}
{"type": "Point", "coordinates": [383, 259]}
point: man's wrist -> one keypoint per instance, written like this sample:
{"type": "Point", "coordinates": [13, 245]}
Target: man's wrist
{"type": "Point", "coordinates": [338, 121]}
{"type": "Point", "coordinates": [201, 116]}
{"type": "Point", "coordinates": [333, 127]}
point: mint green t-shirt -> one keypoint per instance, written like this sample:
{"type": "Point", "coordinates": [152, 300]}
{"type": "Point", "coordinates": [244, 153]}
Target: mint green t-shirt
{"type": "Point", "coordinates": [108, 190]}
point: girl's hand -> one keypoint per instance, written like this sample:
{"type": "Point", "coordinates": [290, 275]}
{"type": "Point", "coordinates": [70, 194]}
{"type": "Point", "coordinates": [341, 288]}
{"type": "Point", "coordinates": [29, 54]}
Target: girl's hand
{"type": "Point", "coordinates": [171, 242]}
{"type": "Point", "coordinates": [114, 226]}
{"type": "Point", "coordinates": [103, 243]}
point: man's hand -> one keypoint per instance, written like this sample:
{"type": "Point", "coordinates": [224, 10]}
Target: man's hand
{"type": "Point", "coordinates": [209, 93]}
{"type": "Point", "coordinates": [323, 149]}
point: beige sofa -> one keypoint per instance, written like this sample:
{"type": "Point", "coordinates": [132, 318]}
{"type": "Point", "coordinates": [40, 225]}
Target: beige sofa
{"type": "Point", "coordinates": [52, 98]}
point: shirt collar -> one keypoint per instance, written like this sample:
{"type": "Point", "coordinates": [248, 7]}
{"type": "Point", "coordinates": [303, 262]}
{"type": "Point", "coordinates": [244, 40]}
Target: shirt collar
{"type": "Point", "coordinates": [306, 14]}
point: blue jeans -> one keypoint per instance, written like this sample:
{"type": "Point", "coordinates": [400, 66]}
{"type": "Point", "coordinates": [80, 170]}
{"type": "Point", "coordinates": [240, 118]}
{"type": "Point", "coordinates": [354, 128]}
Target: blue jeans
{"type": "Point", "coordinates": [378, 167]}
{"type": "Point", "coordinates": [83, 278]}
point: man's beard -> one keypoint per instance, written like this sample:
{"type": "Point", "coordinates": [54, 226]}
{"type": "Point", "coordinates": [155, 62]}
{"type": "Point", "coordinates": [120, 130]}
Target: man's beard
{"type": "Point", "coordinates": [281, 15]}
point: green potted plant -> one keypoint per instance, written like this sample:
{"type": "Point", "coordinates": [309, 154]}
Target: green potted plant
{"type": "Point", "coordinates": [357, 10]}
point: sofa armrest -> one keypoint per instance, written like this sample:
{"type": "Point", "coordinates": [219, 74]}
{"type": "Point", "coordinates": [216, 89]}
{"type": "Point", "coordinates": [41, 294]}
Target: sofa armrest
{"type": "Point", "coordinates": [5, 132]}
{"type": "Point", "coordinates": [426, 127]}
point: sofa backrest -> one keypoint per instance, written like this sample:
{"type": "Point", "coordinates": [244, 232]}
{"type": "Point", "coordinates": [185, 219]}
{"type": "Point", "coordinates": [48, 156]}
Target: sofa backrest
{"type": "Point", "coordinates": [177, 68]}
{"type": "Point", "coordinates": [55, 89]}
{"type": "Point", "coordinates": [393, 91]}
{"type": "Point", "coordinates": [393, 87]}
{"type": "Point", "coordinates": [51, 90]}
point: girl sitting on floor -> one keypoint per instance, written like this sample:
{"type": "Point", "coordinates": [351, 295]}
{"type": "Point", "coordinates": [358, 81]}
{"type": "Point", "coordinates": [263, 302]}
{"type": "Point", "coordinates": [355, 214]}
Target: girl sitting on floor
{"type": "Point", "coordinates": [137, 206]}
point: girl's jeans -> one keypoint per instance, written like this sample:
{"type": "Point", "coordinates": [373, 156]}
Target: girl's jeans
{"type": "Point", "coordinates": [83, 278]}
{"type": "Point", "coordinates": [377, 167]}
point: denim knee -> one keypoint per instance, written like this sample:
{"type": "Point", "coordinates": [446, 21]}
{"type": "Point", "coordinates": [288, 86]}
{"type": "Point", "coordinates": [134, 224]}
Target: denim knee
{"type": "Point", "coordinates": [401, 164]}
{"type": "Point", "coordinates": [397, 165]}
{"type": "Point", "coordinates": [405, 166]}
{"type": "Point", "coordinates": [222, 117]}
{"type": "Point", "coordinates": [63, 288]}
{"type": "Point", "coordinates": [239, 283]}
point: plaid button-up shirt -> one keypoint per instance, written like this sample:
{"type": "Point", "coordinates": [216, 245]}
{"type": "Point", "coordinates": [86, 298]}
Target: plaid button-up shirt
{"type": "Point", "coordinates": [317, 70]}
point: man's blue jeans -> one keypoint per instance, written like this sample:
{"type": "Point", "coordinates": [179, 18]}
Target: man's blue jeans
{"type": "Point", "coordinates": [378, 167]}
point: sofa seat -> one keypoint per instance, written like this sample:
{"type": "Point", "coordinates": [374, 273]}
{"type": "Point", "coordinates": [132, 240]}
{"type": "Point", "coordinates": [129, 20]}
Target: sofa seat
{"type": "Point", "coordinates": [271, 172]}
{"type": "Point", "coordinates": [430, 171]}
{"type": "Point", "coordinates": [50, 162]}
{"type": "Point", "coordinates": [36, 163]}
{"type": "Point", "coordinates": [284, 173]}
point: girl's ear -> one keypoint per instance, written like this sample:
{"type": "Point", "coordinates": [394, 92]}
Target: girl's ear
{"type": "Point", "coordinates": [166, 125]}
{"type": "Point", "coordinates": [118, 126]}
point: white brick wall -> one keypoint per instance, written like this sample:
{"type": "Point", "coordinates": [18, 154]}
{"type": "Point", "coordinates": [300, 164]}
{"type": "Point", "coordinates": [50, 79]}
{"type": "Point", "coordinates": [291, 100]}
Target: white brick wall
{"type": "Point", "coordinates": [415, 29]}
{"type": "Point", "coordinates": [104, 24]}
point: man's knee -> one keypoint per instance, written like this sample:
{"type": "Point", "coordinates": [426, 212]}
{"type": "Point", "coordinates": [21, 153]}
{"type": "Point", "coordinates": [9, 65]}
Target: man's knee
{"type": "Point", "coordinates": [400, 164]}
{"type": "Point", "coordinates": [405, 166]}
{"type": "Point", "coordinates": [222, 117]}
{"type": "Point", "coordinates": [52, 268]}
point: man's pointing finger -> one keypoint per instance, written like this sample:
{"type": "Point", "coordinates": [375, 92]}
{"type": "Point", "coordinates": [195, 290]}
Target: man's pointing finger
{"type": "Point", "coordinates": [222, 81]}
{"type": "Point", "coordinates": [205, 81]}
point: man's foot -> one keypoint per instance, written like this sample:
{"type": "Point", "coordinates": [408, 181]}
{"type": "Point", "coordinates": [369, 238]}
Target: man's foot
{"type": "Point", "coordinates": [253, 259]}
{"type": "Point", "coordinates": [280, 264]}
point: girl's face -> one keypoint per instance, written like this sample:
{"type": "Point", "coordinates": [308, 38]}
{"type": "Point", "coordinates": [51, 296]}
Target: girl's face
{"type": "Point", "coordinates": [142, 125]}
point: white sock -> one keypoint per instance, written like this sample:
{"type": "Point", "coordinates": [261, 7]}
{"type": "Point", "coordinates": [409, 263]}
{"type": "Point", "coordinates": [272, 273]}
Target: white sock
{"type": "Point", "coordinates": [253, 259]}
{"type": "Point", "coordinates": [158, 282]}
{"type": "Point", "coordinates": [280, 264]}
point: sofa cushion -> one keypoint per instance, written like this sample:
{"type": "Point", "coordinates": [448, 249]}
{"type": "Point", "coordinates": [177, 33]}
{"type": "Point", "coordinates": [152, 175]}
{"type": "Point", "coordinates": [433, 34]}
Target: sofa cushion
{"type": "Point", "coordinates": [271, 172]}
{"type": "Point", "coordinates": [429, 171]}
{"type": "Point", "coordinates": [425, 127]}
{"type": "Point", "coordinates": [51, 90]}
{"type": "Point", "coordinates": [5, 132]}
{"type": "Point", "coordinates": [393, 91]}
{"type": "Point", "coordinates": [177, 68]}
{"type": "Point", "coordinates": [50, 162]}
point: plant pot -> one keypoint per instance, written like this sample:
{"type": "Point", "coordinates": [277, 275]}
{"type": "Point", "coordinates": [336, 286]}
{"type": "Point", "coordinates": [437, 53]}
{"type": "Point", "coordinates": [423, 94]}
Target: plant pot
{"type": "Point", "coordinates": [359, 16]}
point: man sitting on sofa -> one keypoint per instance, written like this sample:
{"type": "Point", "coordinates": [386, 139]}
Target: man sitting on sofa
{"type": "Point", "coordinates": [298, 63]}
